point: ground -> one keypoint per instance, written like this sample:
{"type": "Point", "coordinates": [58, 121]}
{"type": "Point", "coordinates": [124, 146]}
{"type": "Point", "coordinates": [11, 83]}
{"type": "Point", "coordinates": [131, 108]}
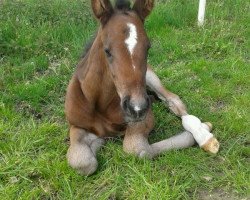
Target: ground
{"type": "Point", "coordinates": [209, 68]}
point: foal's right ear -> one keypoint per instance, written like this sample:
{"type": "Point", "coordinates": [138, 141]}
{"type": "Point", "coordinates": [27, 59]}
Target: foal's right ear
{"type": "Point", "coordinates": [102, 10]}
{"type": "Point", "coordinates": [143, 8]}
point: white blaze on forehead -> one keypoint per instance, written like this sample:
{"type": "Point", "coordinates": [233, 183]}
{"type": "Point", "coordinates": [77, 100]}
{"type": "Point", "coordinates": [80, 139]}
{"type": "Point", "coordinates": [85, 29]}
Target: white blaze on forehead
{"type": "Point", "coordinates": [131, 41]}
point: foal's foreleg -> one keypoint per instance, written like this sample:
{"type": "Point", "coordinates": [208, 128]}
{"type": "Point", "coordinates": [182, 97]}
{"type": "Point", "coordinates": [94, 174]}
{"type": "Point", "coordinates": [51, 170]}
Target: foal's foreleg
{"type": "Point", "coordinates": [82, 151]}
{"type": "Point", "coordinates": [172, 100]}
{"type": "Point", "coordinates": [205, 139]}
{"type": "Point", "coordinates": [137, 143]}
{"type": "Point", "coordinates": [179, 141]}
{"type": "Point", "coordinates": [136, 139]}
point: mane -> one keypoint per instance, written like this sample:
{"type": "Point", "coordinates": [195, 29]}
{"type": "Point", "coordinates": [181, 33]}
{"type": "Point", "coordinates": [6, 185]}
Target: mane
{"type": "Point", "coordinates": [88, 45]}
{"type": "Point", "coordinates": [122, 4]}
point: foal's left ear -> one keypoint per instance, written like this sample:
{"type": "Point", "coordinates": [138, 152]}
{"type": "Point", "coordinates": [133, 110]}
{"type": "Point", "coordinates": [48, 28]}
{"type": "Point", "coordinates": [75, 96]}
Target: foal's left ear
{"type": "Point", "coordinates": [102, 10]}
{"type": "Point", "coordinates": [143, 8]}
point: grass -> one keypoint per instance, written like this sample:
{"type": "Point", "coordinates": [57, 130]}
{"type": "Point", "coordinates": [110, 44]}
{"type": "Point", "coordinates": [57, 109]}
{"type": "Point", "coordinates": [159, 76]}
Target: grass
{"type": "Point", "coordinates": [41, 42]}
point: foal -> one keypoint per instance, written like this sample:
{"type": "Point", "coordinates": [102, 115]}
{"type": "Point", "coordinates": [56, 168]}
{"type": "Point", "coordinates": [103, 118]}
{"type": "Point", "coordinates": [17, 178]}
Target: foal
{"type": "Point", "coordinates": [107, 93]}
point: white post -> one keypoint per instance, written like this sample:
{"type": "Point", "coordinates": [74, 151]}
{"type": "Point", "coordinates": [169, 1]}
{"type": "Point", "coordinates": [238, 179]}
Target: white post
{"type": "Point", "coordinates": [201, 13]}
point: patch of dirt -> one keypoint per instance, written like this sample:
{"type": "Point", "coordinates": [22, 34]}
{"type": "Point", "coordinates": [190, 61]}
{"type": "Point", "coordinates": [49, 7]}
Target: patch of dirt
{"type": "Point", "coordinates": [218, 105]}
{"type": "Point", "coordinates": [27, 110]}
{"type": "Point", "coordinates": [218, 194]}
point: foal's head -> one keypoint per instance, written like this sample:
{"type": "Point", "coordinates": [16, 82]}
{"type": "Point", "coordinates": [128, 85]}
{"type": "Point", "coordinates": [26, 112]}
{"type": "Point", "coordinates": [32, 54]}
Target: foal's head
{"type": "Point", "coordinates": [125, 45]}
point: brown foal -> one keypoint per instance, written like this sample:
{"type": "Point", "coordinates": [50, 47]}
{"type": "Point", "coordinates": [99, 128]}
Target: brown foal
{"type": "Point", "coordinates": [107, 94]}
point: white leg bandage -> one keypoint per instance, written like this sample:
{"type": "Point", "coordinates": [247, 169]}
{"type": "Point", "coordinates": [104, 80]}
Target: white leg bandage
{"type": "Point", "coordinates": [203, 137]}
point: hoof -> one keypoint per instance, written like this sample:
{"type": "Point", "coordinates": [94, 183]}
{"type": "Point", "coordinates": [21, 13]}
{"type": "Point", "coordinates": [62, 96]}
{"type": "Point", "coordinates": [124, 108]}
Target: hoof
{"type": "Point", "coordinates": [212, 145]}
{"type": "Point", "coordinates": [210, 126]}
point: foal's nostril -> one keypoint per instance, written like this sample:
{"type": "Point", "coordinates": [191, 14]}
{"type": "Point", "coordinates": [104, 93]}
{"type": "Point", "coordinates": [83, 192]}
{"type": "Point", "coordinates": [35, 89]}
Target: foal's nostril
{"type": "Point", "coordinates": [136, 109]}
{"type": "Point", "coordinates": [125, 103]}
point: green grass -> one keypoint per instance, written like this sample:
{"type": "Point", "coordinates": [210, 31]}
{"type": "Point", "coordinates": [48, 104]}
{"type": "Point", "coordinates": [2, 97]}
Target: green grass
{"type": "Point", "coordinates": [209, 68]}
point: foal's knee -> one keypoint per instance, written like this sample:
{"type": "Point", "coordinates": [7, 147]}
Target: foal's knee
{"type": "Point", "coordinates": [136, 138]}
{"type": "Point", "coordinates": [176, 105]}
{"type": "Point", "coordinates": [81, 158]}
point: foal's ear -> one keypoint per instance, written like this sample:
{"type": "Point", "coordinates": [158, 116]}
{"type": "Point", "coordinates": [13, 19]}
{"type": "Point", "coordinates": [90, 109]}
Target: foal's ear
{"type": "Point", "coordinates": [143, 8]}
{"type": "Point", "coordinates": [102, 10]}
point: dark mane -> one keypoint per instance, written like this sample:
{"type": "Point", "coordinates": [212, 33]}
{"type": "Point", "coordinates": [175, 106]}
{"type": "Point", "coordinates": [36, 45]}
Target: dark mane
{"type": "Point", "coordinates": [122, 4]}
{"type": "Point", "coordinates": [88, 45]}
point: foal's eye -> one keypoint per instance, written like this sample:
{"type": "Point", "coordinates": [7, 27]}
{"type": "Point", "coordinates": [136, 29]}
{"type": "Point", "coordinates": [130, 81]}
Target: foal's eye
{"type": "Point", "coordinates": [107, 52]}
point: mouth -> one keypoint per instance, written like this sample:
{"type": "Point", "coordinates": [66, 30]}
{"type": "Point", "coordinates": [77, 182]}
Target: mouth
{"type": "Point", "coordinates": [130, 119]}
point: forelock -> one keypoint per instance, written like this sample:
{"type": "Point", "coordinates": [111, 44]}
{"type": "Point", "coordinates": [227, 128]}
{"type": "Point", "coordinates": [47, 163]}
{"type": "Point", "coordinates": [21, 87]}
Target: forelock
{"type": "Point", "coordinates": [122, 4]}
